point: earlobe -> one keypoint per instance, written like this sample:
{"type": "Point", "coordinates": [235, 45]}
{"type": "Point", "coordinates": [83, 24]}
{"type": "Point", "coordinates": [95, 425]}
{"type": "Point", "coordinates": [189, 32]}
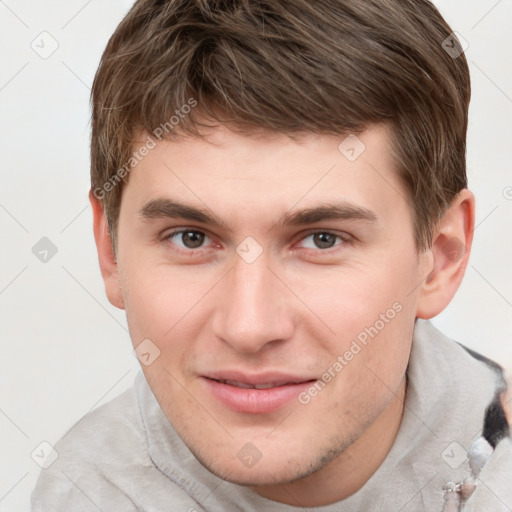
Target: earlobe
{"type": "Point", "coordinates": [449, 255]}
{"type": "Point", "coordinates": [106, 257]}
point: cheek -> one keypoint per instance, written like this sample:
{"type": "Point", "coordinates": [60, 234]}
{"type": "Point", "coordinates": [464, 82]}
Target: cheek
{"type": "Point", "coordinates": [370, 312]}
{"type": "Point", "coordinates": [150, 301]}
{"type": "Point", "coordinates": [162, 302]}
{"type": "Point", "coordinates": [350, 299]}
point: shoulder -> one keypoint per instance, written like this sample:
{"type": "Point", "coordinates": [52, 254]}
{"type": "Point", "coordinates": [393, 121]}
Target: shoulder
{"type": "Point", "coordinates": [103, 435]}
{"type": "Point", "coordinates": [461, 367]}
{"type": "Point", "coordinates": [107, 440]}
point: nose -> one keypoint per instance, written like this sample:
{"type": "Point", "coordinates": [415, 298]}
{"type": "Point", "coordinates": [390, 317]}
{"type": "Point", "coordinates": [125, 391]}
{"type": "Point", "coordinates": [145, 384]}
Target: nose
{"type": "Point", "coordinates": [254, 308]}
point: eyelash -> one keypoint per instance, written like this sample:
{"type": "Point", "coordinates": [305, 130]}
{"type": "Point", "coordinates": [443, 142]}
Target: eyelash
{"type": "Point", "coordinates": [345, 240]}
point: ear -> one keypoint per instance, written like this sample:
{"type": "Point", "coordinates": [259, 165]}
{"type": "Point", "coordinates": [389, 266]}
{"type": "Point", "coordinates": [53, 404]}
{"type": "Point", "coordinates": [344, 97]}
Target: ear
{"type": "Point", "coordinates": [450, 250]}
{"type": "Point", "coordinates": [107, 260]}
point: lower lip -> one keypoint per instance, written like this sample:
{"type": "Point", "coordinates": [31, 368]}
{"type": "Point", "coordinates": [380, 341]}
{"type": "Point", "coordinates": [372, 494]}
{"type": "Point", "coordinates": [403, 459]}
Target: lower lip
{"type": "Point", "coordinates": [255, 401]}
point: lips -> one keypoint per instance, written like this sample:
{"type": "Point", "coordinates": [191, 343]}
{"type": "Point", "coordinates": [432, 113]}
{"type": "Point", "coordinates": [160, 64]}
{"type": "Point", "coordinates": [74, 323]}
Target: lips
{"type": "Point", "coordinates": [255, 394]}
{"type": "Point", "coordinates": [246, 385]}
{"type": "Point", "coordinates": [268, 379]}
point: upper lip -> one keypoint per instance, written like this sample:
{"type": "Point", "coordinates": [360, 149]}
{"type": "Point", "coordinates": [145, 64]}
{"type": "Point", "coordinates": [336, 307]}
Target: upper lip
{"type": "Point", "coordinates": [276, 378]}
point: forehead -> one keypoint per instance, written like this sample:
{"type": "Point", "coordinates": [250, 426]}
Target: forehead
{"type": "Point", "coordinates": [233, 174]}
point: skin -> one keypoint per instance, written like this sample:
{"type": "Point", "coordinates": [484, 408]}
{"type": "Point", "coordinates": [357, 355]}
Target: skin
{"type": "Point", "coordinates": [295, 309]}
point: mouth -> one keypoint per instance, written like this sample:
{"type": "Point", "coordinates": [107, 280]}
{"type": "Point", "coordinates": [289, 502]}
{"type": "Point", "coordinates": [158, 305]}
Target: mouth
{"type": "Point", "coordinates": [256, 395]}
{"type": "Point", "coordinates": [246, 385]}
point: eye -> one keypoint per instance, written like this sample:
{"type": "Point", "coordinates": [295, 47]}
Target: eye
{"type": "Point", "coordinates": [187, 238]}
{"type": "Point", "coordinates": [322, 240]}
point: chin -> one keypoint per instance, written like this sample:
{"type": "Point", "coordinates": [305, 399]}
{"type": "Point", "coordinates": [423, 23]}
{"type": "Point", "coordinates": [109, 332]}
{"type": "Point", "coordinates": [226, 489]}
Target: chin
{"type": "Point", "coordinates": [278, 470]}
{"type": "Point", "coordinates": [261, 477]}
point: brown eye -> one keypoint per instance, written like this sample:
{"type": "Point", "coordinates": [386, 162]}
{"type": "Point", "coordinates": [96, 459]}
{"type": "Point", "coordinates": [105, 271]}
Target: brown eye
{"type": "Point", "coordinates": [187, 238]}
{"type": "Point", "coordinates": [192, 239]}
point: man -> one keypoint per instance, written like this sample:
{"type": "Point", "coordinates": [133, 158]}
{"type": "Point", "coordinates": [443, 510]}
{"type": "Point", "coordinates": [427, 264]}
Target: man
{"type": "Point", "coordinates": [280, 204]}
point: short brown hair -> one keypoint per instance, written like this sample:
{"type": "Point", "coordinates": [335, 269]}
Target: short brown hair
{"type": "Point", "coordinates": [289, 66]}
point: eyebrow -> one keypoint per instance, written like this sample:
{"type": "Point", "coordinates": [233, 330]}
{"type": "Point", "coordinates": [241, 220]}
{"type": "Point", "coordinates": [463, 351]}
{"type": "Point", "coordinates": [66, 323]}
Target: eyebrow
{"type": "Point", "coordinates": [163, 208]}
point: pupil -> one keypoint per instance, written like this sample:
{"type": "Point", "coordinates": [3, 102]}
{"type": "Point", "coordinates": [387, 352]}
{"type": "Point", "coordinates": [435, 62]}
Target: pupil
{"type": "Point", "coordinates": [324, 240]}
{"type": "Point", "coordinates": [192, 239]}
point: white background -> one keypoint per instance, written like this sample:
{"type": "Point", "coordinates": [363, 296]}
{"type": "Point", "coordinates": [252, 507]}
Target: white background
{"type": "Point", "coordinates": [64, 348]}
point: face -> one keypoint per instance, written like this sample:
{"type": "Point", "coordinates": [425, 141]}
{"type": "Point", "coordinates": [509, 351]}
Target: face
{"type": "Point", "coordinates": [277, 282]}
